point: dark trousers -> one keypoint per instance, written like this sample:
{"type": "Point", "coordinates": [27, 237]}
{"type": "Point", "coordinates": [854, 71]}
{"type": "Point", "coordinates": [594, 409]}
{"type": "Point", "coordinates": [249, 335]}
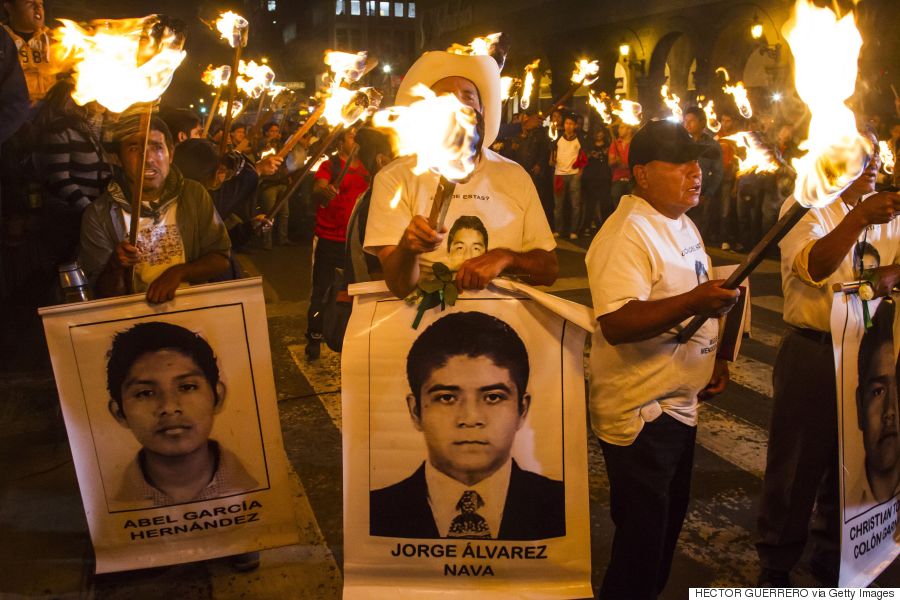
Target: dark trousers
{"type": "Point", "coordinates": [328, 256]}
{"type": "Point", "coordinates": [649, 485]}
{"type": "Point", "coordinates": [802, 461]}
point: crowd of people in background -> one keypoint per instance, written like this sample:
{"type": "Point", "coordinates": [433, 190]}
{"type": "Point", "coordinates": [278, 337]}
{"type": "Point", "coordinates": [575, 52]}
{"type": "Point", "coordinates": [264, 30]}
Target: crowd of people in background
{"type": "Point", "coordinates": [581, 174]}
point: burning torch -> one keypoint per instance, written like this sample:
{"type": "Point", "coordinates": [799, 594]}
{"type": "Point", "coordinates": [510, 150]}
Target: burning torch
{"type": "Point", "coordinates": [217, 78]}
{"type": "Point", "coordinates": [826, 51]}
{"type": "Point", "coordinates": [234, 29]}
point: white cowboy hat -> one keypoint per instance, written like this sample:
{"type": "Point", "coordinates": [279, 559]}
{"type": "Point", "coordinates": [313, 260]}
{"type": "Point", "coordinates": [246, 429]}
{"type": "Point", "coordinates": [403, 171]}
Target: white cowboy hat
{"type": "Point", "coordinates": [480, 70]}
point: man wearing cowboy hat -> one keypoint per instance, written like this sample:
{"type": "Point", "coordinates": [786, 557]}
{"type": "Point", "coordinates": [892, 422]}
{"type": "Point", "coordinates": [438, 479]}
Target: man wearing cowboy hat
{"type": "Point", "coordinates": [499, 192]}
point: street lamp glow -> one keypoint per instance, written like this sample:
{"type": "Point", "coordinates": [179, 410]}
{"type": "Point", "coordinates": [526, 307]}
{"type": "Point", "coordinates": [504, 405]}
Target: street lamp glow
{"type": "Point", "coordinates": [776, 97]}
{"type": "Point", "coordinates": [192, 106]}
{"type": "Point", "coordinates": [624, 49]}
{"type": "Point", "coordinates": [756, 31]}
{"type": "Point", "coordinates": [386, 68]}
{"type": "Point", "coordinates": [264, 60]}
{"type": "Point", "coordinates": [202, 100]}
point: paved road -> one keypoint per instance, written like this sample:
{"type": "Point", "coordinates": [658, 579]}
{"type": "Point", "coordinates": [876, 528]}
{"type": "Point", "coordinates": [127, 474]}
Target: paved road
{"type": "Point", "coordinates": [45, 549]}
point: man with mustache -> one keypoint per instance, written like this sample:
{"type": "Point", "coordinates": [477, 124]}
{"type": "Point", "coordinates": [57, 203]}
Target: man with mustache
{"type": "Point", "coordinates": [468, 377]}
{"type": "Point", "coordinates": [648, 273]}
{"type": "Point", "coordinates": [181, 238]}
{"type": "Point", "coordinates": [164, 386]}
{"type": "Point", "coordinates": [802, 458]}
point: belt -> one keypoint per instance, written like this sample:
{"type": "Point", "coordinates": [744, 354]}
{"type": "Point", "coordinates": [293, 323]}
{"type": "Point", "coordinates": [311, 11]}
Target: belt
{"type": "Point", "coordinates": [819, 337]}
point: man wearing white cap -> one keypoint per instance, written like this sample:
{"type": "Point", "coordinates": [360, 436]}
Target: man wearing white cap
{"type": "Point", "coordinates": [499, 192]}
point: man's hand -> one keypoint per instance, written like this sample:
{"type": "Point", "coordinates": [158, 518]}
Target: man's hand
{"type": "Point", "coordinates": [126, 255]}
{"type": "Point", "coordinates": [710, 299]}
{"type": "Point", "coordinates": [886, 279]}
{"type": "Point", "coordinates": [419, 237]}
{"type": "Point", "coordinates": [878, 208]}
{"type": "Point", "coordinates": [269, 165]}
{"type": "Point", "coordinates": [163, 287]}
{"type": "Point", "coordinates": [718, 381]}
{"type": "Point", "coordinates": [260, 224]}
{"type": "Point", "coordinates": [328, 192]}
{"type": "Point", "coordinates": [476, 273]}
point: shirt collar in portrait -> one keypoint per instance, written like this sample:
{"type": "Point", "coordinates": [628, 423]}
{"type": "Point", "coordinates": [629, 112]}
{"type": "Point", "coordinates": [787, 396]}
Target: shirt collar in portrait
{"type": "Point", "coordinates": [444, 493]}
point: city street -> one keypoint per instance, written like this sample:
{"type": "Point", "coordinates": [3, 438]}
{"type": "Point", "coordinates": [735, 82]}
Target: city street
{"type": "Point", "coordinates": [46, 551]}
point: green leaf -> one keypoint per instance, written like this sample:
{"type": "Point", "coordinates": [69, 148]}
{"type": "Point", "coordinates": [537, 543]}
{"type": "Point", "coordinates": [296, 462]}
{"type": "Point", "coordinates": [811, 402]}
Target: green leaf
{"type": "Point", "coordinates": [450, 294]}
{"type": "Point", "coordinates": [429, 286]}
{"type": "Point", "coordinates": [442, 271]}
{"type": "Point", "coordinates": [430, 300]}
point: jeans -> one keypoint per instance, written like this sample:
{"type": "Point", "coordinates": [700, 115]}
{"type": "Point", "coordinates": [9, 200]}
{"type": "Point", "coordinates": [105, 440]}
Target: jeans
{"type": "Point", "coordinates": [649, 486]}
{"type": "Point", "coordinates": [328, 255]}
{"type": "Point", "coordinates": [566, 195]}
{"type": "Point", "coordinates": [802, 462]}
{"type": "Point", "coordinates": [619, 188]}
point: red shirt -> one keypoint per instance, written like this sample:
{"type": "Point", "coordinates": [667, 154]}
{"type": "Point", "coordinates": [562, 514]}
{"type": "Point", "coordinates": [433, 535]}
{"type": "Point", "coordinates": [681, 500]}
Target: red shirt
{"type": "Point", "coordinates": [331, 220]}
{"type": "Point", "coordinates": [620, 149]}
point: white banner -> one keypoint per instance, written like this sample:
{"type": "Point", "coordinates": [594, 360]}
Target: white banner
{"type": "Point", "coordinates": [866, 370]}
{"type": "Point", "coordinates": [465, 456]}
{"type": "Point", "coordinates": [172, 420]}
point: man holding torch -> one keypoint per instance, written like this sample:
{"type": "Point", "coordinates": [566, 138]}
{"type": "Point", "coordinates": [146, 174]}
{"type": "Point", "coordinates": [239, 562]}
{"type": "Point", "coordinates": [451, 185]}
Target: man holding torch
{"type": "Point", "coordinates": [498, 191]}
{"type": "Point", "coordinates": [648, 273]}
{"type": "Point", "coordinates": [181, 239]}
{"type": "Point", "coordinates": [825, 247]}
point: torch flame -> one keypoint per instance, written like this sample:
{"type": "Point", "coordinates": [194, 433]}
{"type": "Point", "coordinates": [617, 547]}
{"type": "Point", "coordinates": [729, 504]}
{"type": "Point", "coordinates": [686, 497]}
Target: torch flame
{"type": "Point", "coordinates": [217, 78]}
{"type": "Point", "coordinates": [586, 72]}
{"type": "Point", "coordinates": [233, 28]}
{"type": "Point", "coordinates": [712, 120]}
{"type": "Point", "coordinates": [758, 158]}
{"type": "Point", "coordinates": [237, 108]}
{"type": "Point", "coordinates": [887, 157]}
{"type": "Point", "coordinates": [119, 62]}
{"type": "Point", "coordinates": [507, 84]}
{"type": "Point", "coordinates": [673, 102]}
{"type": "Point", "coordinates": [826, 51]}
{"type": "Point", "coordinates": [739, 93]}
{"type": "Point", "coordinates": [600, 105]}
{"type": "Point", "coordinates": [438, 130]}
{"type": "Point", "coordinates": [629, 112]}
{"type": "Point", "coordinates": [254, 79]}
{"type": "Point", "coordinates": [347, 67]}
{"type": "Point", "coordinates": [267, 153]}
{"type": "Point", "coordinates": [528, 86]}
{"type": "Point", "coordinates": [480, 46]}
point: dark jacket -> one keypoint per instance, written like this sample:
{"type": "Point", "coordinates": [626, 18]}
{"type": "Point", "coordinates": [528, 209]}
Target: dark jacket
{"type": "Point", "coordinates": [14, 101]}
{"type": "Point", "coordinates": [711, 165]}
{"type": "Point", "coordinates": [535, 508]}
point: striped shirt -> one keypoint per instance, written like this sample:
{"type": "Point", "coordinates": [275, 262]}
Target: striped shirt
{"type": "Point", "coordinates": [73, 163]}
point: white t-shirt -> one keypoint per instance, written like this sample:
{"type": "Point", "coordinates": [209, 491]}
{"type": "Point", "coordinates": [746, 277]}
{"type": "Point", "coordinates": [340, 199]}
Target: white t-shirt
{"type": "Point", "coordinates": [566, 155]}
{"type": "Point", "coordinates": [160, 244]}
{"type": "Point", "coordinates": [640, 254]}
{"type": "Point", "coordinates": [807, 303]}
{"type": "Point", "coordinates": [499, 194]}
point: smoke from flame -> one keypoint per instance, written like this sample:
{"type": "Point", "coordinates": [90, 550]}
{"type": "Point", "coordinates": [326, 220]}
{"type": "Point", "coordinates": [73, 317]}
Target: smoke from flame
{"type": "Point", "coordinates": [439, 130]}
{"type": "Point", "coordinates": [119, 62]}
{"type": "Point", "coordinates": [826, 51]}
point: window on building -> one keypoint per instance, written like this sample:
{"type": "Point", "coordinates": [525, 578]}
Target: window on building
{"type": "Point", "coordinates": [398, 9]}
{"type": "Point", "coordinates": [271, 5]}
{"type": "Point", "coordinates": [370, 8]}
{"type": "Point", "coordinates": [339, 7]}
{"type": "Point", "coordinates": [384, 9]}
{"type": "Point", "coordinates": [354, 8]}
{"type": "Point", "coordinates": [411, 10]}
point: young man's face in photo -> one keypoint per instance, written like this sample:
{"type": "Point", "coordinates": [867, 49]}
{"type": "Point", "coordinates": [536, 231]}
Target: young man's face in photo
{"type": "Point", "coordinates": [466, 244]}
{"type": "Point", "coordinates": [878, 418]}
{"type": "Point", "coordinates": [470, 414]}
{"type": "Point", "coordinates": [168, 403]}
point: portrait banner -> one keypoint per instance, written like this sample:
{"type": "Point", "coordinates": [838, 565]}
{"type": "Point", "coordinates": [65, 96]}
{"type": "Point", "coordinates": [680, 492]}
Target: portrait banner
{"type": "Point", "coordinates": [465, 447]}
{"type": "Point", "coordinates": [866, 338]}
{"type": "Point", "coordinates": [172, 419]}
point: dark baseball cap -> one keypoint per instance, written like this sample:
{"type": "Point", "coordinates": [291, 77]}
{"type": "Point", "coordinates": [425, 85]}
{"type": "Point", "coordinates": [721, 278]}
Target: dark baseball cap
{"type": "Point", "coordinates": [666, 141]}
